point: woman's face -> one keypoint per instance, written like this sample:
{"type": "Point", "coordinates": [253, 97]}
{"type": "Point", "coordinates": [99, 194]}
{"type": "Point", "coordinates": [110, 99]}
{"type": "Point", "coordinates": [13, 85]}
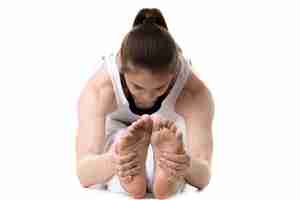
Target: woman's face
{"type": "Point", "coordinates": [146, 87]}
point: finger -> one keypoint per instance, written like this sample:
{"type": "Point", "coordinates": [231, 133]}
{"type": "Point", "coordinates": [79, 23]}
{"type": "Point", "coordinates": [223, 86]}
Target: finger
{"type": "Point", "coordinates": [129, 165]}
{"type": "Point", "coordinates": [126, 158]}
{"type": "Point", "coordinates": [134, 171]}
{"type": "Point", "coordinates": [179, 135]}
{"type": "Point", "coordinates": [173, 172]}
{"type": "Point", "coordinates": [170, 124]}
{"type": "Point", "coordinates": [123, 159]}
{"type": "Point", "coordinates": [178, 158]}
{"type": "Point", "coordinates": [165, 123]}
{"type": "Point", "coordinates": [170, 172]}
{"type": "Point", "coordinates": [160, 124]}
{"type": "Point", "coordinates": [173, 127]}
{"type": "Point", "coordinates": [174, 165]}
{"type": "Point", "coordinates": [155, 118]}
{"type": "Point", "coordinates": [165, 168]}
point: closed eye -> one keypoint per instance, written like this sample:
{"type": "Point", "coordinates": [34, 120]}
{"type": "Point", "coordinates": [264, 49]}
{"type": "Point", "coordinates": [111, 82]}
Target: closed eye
{"type": "Point", "coordinates": [141, 88]}
{"type": "Point", "coordinates": [160, 87]}
{"type": "Point", "coordinates": [137, 87]}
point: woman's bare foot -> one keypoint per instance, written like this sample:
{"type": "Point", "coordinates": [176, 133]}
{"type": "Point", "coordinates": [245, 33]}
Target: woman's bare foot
{"type": "Point", "coordinates": [137, 138]}
{"type": "Point", "coordinates": [166, 138]}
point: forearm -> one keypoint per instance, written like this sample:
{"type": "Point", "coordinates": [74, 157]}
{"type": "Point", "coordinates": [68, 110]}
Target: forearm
{"type": "Point", "coordinates": [94, 169]}
{"type": "Point", "coordinates": [198, 174]}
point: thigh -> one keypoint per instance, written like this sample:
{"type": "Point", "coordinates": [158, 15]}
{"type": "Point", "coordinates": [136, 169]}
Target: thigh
{"type": "Point", "coordinates": [112, 128]}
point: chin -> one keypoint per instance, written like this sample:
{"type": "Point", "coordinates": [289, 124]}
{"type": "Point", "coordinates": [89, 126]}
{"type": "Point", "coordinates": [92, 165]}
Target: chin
{"type": "Point", "coordinates": [143, 106]}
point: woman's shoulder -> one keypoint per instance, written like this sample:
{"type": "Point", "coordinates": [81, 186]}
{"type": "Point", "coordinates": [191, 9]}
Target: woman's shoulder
{"type": "Point", "coordinates": [101, 78]}
{"type": "Point", "coordinates": [102, 84]}
{"type": "Point", "coordinates": [194, 88]}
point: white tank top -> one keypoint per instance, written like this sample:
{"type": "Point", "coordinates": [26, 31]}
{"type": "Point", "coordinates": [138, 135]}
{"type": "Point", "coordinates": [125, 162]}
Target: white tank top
{"type": "Point", "coordinates": [167, 109]}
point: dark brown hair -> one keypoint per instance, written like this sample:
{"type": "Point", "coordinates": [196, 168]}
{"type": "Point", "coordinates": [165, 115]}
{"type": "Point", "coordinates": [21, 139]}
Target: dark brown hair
{"type": "Point", "coordinates": [149, 45]}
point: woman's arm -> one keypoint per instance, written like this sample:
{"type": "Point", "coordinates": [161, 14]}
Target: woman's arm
{"type": "Point", "coordinates": [196, 106]}
{"type": "Point", "coordinates": [93, 164]}
{"type": "Point", "coordinates": [194, 165]}
{"type": "Point", "coordinates": [199, 117]}
{"type": "Point", "coordinates": [198, 174]}
{"type": "Point", "coordinates": [95, 169]}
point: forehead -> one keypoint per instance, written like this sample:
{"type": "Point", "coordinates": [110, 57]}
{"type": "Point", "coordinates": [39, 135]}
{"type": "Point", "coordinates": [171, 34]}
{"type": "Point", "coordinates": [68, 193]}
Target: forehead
{"type": "Point", "coordinates": [146, 78]}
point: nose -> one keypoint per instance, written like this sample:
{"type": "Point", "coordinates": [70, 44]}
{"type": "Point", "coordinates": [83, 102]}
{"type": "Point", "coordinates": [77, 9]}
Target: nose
{"type": "Point", "coordinates": [149, 96]}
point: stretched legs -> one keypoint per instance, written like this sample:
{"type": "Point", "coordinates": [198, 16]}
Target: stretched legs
{"type": "Point", "coordinates": [166, 138]}
{"type": "Point", "coordinates": [132, 147]}
{"type": "Point", "coordinates": [134, 143]}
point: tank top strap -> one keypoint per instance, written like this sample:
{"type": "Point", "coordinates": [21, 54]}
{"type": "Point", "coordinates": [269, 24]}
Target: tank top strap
{"type": "Point", "coordinates": [113, 71]}
{"type": "Point", "coordinates": [181, 79]}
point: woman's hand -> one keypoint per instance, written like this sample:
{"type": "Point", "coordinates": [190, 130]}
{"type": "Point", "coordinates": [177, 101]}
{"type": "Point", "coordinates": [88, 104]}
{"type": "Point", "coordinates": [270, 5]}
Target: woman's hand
{"type": "Point", "coordinates": [126, 166]}
{"type": "Point", "coordinates": [176, 165]}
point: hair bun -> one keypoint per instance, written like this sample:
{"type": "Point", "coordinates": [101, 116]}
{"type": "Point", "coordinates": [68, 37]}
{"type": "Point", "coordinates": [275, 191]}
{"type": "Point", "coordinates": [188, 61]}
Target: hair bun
{"type": "Point", "coordinates": [150, 16]}
{"type": "Point", "coordinates": [149, 20]}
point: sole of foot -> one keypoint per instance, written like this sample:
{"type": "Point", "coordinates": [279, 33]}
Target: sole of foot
{"type": "Point", "coordinates": [166, 137]}
{"type": "Point", "coordinates": [136, 138]}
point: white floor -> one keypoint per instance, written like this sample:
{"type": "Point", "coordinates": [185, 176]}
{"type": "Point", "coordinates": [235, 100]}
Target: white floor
{"type": "Point", "coordinates": [188, 192]}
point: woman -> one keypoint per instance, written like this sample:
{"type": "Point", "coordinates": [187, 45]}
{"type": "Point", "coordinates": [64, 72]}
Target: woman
{"type": "Point", "coordinates": [145, 118]}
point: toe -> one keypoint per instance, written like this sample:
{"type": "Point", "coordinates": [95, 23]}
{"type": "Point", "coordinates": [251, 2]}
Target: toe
{"type": "Point", "coordinates": [140, 123]}
{"type": "Point", "coordinates": [148, 122]}
{"type": "Point", "coordinates": [162, 124]}
{"type": "Point", "coordinates": [173, 127]}
{"type": "Point", "coordinates": [132, 128]}
{"type": "Point", "coordinates": [178, 135]}
{"type": "Point", "coordinates": [168, 124]}
{"type": "Point", "coordinates": [128, 136]}
{"type": "Point", "coordinates": [155, 118]}
{"type": "Point", "coordinates": [155, 137]}
{"type": "Point", "coordinates": [127, 139]}
{"type": "Point", "coordinates": [135, 124]}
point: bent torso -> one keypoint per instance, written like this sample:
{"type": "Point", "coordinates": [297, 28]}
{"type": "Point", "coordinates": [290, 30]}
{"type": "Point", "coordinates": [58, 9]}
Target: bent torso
{"type": "Point", "coordinates": [103, 84]}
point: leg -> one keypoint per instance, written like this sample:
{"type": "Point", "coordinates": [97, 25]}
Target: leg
{"type": "Point", "coordinates": [167, 138]}
{"type": "Point", "coordinates": [135, 138]}
{"type": "Point", "coordinates": [112, 130]}
{"type": "Point", "coordinates": [150, 173]}
{"type": "Point", "coordinates": [114, 184]}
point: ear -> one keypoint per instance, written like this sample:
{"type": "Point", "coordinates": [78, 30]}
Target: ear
{"type": "Point", "coordinates": [119, 53]}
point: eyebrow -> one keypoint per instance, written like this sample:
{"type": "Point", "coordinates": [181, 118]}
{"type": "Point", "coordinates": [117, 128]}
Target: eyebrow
{"type": "Point", "coordinates": [154, 88]}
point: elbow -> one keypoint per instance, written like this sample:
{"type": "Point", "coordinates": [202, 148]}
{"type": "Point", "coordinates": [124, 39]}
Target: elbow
{"type": "Point", "coordinates": [201, 185]}
{"type": "Point", "coordinates": [206, 178]}
{"type": "Point", "coordinates": [204, 182]}
{"type": "Point", "coordinates": [83, 181]}
{"type": "Point", "coordinates": [81, 177]}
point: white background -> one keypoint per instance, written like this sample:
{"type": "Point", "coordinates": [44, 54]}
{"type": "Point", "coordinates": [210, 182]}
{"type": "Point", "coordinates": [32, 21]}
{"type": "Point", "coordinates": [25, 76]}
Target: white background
{"type": "Point", "coordinates": [247, 52]}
